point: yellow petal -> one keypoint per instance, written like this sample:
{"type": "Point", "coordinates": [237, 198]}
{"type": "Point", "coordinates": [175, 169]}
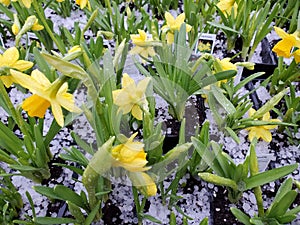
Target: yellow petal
{"type": "Point", "coordinates": [7, 80]}
{"type": "Point", "coordinates": [5, 2]}
{"type": "Point", "coordinates": [36, 26]}
{"type": "Point", "coordinates": [296, 55]}
{"type": "Point", "coordinates": [281, 33]}
{"type": "Point", "coordinates": [57, 113]}
{"type": "Point", "coordinates": [169, 18]}
{"type": "Point", "coordinates": [180, 19]}
{"type": "Point", "coordinates": [27, 3]}
{"type": "Point", "coordinates": [23, 79]}
{"type": "Point", "coordinates": [266, 135]}
{"type": "Point", "coordinates": [144, 183]}
{"type": "Point", "coordinates": [36, 106]}
{"type": "Point", "coordinates": [66, 100]}
{"type": "Point", "coordinates": [283, 47]}
{"type": "Point", "coordinates": [266, 116]}
{"type": "Point", "coordinates": [188, 27]}
{"type": "Point", "coordinates": [251, 112]}
{"type": "Point", "coordinates": [15, 29]}
{"type": "Point", "coordinates": [40, 78]}
{"type": "Point", "coordinates": [127, 80]}
{"type": "Point", "coordinates": [170, 38]}
{"type": "Point", "coordinates": [22, 65]}
{"type": "Point", "coordinates": [136, 50]}
{"type": "Point", "coordinates": [10, 56]}
{"type": "Point", "coordinates": [137, 112]}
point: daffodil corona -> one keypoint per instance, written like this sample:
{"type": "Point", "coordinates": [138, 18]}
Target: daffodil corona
{"type": "Point", "coordinates": [130, 155]}
{"type": "Point", "coordinates": [45, 94]}
{"type": "Point", "coordinates": [131, 98]}
{"type": "Point", "coordinates": [262, 132]}
{"type": "Point", "coordinates": [10, 60]}
{"type": "Point", "coordinates": [173, 25]}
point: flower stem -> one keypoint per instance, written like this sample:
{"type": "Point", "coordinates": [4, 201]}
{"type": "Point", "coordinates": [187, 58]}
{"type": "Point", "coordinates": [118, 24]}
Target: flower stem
{"type": "Point", "coordinates": [48, 29]}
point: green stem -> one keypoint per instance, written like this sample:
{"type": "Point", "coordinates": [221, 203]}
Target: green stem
{"type": "Point", "coordinates": [48, 29]}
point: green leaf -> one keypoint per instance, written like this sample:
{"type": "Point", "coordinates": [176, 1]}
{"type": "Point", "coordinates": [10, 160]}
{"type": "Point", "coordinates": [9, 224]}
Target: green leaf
{"type": "Point", "coordinates": [24, 168]}
{"type": "Point", "coordinates": [269, 176]}
{"type": "Point", "coordinates": [242, 217]}
{"type": "Point", "coordinates": [82, 143]}
{"type": "Point", "coordinates": [282, 206]}
{"type": "Point", "coordinates": [204, 221]}
{"type": "Point", "coordinates": [269, 105]}
{"type": "Point", "coordinates": [68, 195]}
{"type": "Point", "coordinates": [151, 218]}
{"type": "Point", "coordinates": [52, 220]}
{"type": "Point", "coordinates": [285, 187]}
{"type": "Point", "coordinates": [233, 135]}
{"type": "Point", "coordinates": [92, 214]}
{"type": "Point", "coordinates": [223, 101]}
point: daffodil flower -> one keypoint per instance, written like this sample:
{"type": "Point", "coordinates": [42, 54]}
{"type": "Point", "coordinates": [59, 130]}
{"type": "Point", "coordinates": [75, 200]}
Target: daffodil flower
{"type": "Point", "coordinates": [173, 25]}
{"type": "Point", "coordinates": [143, 44]}
{"type": "Point", "coordinates": [131, 98]}
{"type": "Point", "coordinates": [83, 3]}
{"type": "Point", "coordinates": [130, 155]}
{"type": "Point", "coordinates": [283, 47]}
{"type": "Point", "coordinates": [262, 132]}
{"type": "Point", "coordinates": [226, 6]}
{"type": "Point", "coordinates": [10, 60]}
{"type": "Point", "coordinates": [45, 94]}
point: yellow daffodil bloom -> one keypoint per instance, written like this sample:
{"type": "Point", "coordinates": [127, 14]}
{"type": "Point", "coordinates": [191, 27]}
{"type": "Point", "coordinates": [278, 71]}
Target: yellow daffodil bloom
{"type": "Point", "coordinates": [226, 6]}
{"type": "Point", "coordinates": [45, 94]}
{"type": "Point", "coordinates": [131, 98]}
{"type": "Point", "coordinates": [5, 2]}
{"type": "Point", "coordinates": [173, 25]}
{"type": "Point", "coordinates": [262, 132]}
{"type": "Point", "coordinates": [83, 3]}
{"type": "Point", "coordinates": [143, 44]}
{"type": "Point", "coordinates": [130, 155]}
{"type": "Point", "coordinates": [10, 60]}
{"type": "Point", "coordinates": [144, 183]}
{"type": "Point", "coordinates": [283, 47]}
